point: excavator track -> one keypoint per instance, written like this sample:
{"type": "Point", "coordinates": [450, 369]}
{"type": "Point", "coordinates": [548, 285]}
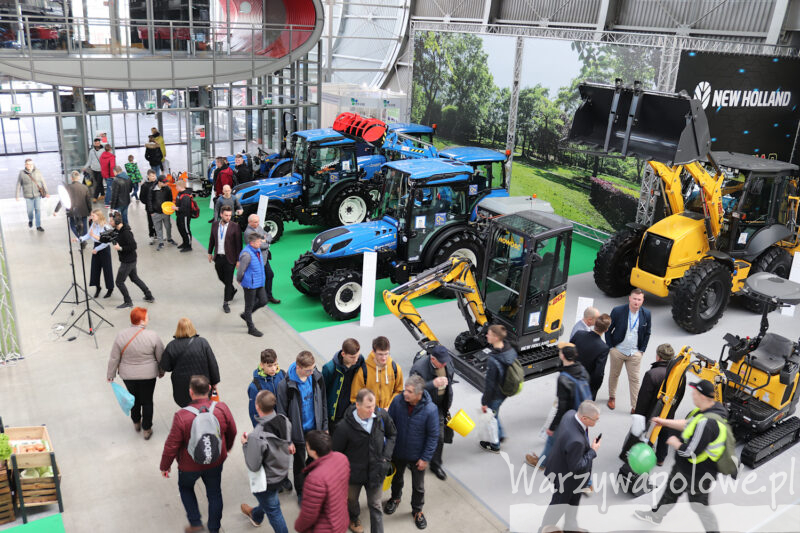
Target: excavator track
{"type": "Point", "coordinates": [535, 363]}
{"type": "Point", "coordinates": [767, 445]}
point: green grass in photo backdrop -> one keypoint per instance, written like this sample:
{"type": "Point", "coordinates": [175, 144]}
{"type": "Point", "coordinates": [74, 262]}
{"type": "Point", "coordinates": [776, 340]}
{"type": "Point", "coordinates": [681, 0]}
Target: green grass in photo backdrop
{"type": "Point", "coordinates": [305, 313]}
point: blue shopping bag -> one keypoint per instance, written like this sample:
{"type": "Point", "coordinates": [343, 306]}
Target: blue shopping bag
{"type": "Point", "coordinates": [124, 397]}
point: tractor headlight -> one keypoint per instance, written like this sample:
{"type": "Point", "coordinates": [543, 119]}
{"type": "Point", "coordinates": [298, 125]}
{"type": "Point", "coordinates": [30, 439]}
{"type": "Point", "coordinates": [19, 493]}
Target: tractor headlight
{"type": "Point", "coordinates": [324, 249]}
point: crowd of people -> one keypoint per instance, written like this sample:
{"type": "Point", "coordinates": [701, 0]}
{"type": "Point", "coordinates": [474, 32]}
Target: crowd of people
{"type": "Point", "coordinates": [328, 434]}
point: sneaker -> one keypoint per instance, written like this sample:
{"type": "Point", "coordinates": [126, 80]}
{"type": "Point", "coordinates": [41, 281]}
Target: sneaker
{"type": "Point", "coordinates": [533, 460]}
{"type": "Point", "coordinates": [30, 224]}
{"type": "Point", "coordinates": [390, 506]}
{"type": "Point", "coordinates": [285, 486]}
{"type": "Point", "coordinates": [489, 447]}
{"type": "Point", "coordinates": [355, 526]}
{"type": "Point", "coordinates": [588, 491]}
{"type": "Point", "coordinates": [419, 520]}
{"type": "Point", "coordinates": [39, 228]}
{"type": "Point", "coordinates": [247, 510]}
{"type": "Point", "coordinates": [149, 298]}
{"type": "Point", "coordinates": [254, 332]}
{"type": "Point", "coordinates": [647, 516]}
{"type": "Point", "coordinates": [108, 294]}
{"type": "Point", "coordinates": [123, 305]}
{"type": "Point", "coordinates": [187, 249]}
{"type": "Point", "coordinates": [152, 240]}
{"type": "Point", "coordinates": [172, 242]}
{"type": "Point", "coordinates": [160, 246]}
{"type": "Point", "coordinates": [226, 307]}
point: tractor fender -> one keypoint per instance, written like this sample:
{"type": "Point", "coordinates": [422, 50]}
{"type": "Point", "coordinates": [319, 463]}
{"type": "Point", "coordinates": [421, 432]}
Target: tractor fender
{"type": "Point", "coordinates": [276, 165]}
{"type": "Point", "coordinates": [723, 258]}
{"type": "Point", "coordinates": [763, 239]}
{"type": "Point", "coordinates": [444, 234]}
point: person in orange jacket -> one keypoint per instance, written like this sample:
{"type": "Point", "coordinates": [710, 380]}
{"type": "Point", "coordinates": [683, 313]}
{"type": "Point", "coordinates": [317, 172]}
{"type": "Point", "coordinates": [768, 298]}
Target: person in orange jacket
{"type": "Point", "coordinates": [381, 375]}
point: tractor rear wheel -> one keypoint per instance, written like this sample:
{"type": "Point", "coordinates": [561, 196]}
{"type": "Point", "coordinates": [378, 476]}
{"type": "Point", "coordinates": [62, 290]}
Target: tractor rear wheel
{"type": "Point", "coordinates": [775, 260]}
{"type": "Point", "coordinates": [700, 297]}
{"type": "Point", "coordinates": [302, 262]}
{"type": "Point", "coordinates": [341, 296]}
{"type": "Point", "coordinates": [464, 245]}
{"type": "Point", "coordinates": [351, 205]}
{"type": "Point", "coordinates": [614, 262]}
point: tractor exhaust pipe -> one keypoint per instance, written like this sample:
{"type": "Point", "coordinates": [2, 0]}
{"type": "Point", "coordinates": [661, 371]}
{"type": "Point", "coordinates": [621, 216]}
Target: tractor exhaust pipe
{"type": "Point", "coordinates": [624, 121]}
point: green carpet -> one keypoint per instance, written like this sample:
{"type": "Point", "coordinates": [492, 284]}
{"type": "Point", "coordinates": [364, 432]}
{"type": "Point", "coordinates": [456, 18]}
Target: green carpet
{"type": "Point", "coordinates": [305, 313]}
{"type": "Point", "coordinates": [49, 524]}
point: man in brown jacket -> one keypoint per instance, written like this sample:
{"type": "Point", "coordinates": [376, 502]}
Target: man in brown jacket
{"type": "Point", "coordinates": [224, 247]}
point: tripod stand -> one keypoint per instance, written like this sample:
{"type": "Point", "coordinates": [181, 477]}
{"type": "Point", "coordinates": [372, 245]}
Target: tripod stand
{"type": "Point", "coordinates": [88, 311]}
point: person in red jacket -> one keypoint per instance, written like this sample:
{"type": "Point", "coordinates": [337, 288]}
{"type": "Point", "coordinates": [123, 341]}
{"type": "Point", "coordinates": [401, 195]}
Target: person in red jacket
{"type": "Point", "coordinates": [189, 471]}
{"type": "Point", "coordinates": [324, 505]}
{"type": "Point", "coordinates": [223, 175]}
{"type": "Point", "coordinates": [107, 163]}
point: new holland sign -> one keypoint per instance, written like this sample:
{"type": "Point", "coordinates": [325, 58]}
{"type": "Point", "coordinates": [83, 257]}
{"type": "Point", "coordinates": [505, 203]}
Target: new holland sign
{"type": "Point", "coordinates": [752, 102]}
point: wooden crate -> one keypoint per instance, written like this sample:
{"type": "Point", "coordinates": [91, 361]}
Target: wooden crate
{"type": "Point", "coordinates": [31, 459]}
{"type": "Point", "coordinates": [6, 502]}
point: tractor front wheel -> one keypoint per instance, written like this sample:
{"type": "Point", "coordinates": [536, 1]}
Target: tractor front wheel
{"type": "Point", "coordinates": [615, 260]}
{"type": "Point", "coordinates": [775, 260]}
{"type": "Point", "coordinates": [302, 262]}
{"type": "Point", "coordinates": [701, 296]}
{"type": "Point", "coordinates": [273, 225]}
{"type": "Point", "coordinates": [341, 296]}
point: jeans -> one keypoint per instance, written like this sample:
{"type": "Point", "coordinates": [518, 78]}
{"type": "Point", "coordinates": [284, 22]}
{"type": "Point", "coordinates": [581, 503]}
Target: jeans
{"type": "Point", "coordinates": [494, 405]}
{"type": "Point", "coordinates": [254, 299]}
{"type": "Point", "coordinates": [437, 455]}
{"type": "Point", "coordinates": [124, 212]}
{"type": "Point", "coordinates": [34, 208]}
{"type": "Point", "coordinates": [135, 191]}
{"type": "Point", "coordinates": [373, 502]}
{"type": "Point", "coordinates": [142, 390]}
{"type": "Point", "coordinates": [212, 479]}
{"type": "Point", "coordinates": [129, 270]}
{"type": "Point", "coordinates": [109, 189]}
{"type": "Point", "coordinates": [548, 445]}
{"type": "Point", "coordinates": [269, 505]}
{"type": "Point", "coordinates": [158, 169]}
{"type": "Point", "coordinates": [417, 483]}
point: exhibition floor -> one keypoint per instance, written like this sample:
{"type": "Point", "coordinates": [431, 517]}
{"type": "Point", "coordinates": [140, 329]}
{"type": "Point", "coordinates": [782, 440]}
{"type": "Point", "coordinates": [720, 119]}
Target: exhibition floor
{"type": "Point", "coordinates": [110, 475]}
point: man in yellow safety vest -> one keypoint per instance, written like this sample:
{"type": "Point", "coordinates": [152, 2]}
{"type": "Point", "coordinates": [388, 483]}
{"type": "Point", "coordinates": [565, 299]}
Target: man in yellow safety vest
{"type": "Point", "coordinates": [697, 450]}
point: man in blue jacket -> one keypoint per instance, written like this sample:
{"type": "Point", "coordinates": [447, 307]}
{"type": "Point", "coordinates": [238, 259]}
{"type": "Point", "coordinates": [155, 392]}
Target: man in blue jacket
{"type": "Point", "coordinates": [251, 277]}
{"type": "Point", "coordinates": [417, 422]}
{"type": "Point", "coordinates": [627, 340]}
{"type": "Point", "coordinates": [501, 356]}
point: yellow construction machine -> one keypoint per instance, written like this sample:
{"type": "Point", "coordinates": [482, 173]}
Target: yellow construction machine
{"type": "Point", "coordinates": [728, 215]}
{"type": "Point", "coordinates": [522, 286]}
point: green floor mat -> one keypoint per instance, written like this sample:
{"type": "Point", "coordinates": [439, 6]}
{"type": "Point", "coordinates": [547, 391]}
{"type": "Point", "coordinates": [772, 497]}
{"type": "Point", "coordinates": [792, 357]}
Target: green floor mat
{"type": "Point", "coordinates": [48, 524]}
{"type": "Point", "coordinates": [305, 313]}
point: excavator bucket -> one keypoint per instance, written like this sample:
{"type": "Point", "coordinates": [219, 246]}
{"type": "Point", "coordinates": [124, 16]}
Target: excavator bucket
{"type": "Point", "coordinates": [371, 130]}
{"type": "Point", "coordinates": [630, 121]}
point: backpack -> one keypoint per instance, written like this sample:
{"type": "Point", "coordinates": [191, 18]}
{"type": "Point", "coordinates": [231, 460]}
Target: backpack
{"type": "Point", "coordinates": [364, 370]}
{"type": "Point", "coordinates": [195, 209]}
{"type": "Point", "coordinates": [581, 389]}
{"type": "Point", "coordinates": [727, 464]}
{"type": "Point", "coordinates": [205, 439]}
{"type": "Point", "coordinates": [513, 379]}
{"type": "Point", "coordinates": [257, 382]}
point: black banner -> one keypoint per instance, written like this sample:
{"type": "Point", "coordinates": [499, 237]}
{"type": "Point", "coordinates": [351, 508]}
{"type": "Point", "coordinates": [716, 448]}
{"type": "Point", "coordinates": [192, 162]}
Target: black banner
{"type": "Point", "coordinates": [751, 101]}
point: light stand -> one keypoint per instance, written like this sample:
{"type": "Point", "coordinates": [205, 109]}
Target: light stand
{"type": "Point", "coordinates": [88, 311]}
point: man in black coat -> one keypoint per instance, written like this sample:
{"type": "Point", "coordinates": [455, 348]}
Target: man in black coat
{"type": "Point", "coordinates": [570, 465]}
{"type": "Point", "coordinates": [126, 247]}
{"type": "Point", "coordinates": [121, 193]}
{"type": "Point", "coordinates": [145, 193]}
{"type": "Point", "coordinates": [436, 368]}
{"type": "Point", "coordinates": [241, 171]}
{"type": "Point", "coordinates": [593, 351]}
{"type": "Point", "coordinates": [366, 435]}
{"type": "Point", "coordinates": [627, 338]}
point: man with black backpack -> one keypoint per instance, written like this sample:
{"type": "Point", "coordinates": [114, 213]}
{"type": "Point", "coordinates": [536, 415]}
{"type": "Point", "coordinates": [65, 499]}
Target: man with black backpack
{"type": "Point", "coordinates": [571, 390]}
{"type": "Point", "coordinates": [185, 210]}
{"type": "Point", "coordinates": [705, 447]}
{"type": "Point", "coordinates": [202, 434]}
{"type": "Point", "coordinates": [502, 357]}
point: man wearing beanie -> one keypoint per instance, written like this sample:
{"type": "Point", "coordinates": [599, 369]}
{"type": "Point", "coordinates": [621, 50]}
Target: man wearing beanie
{"type": "Point", "coordinates": [572, 378]}
{"type": "Point", "coordinates": [648, 396]}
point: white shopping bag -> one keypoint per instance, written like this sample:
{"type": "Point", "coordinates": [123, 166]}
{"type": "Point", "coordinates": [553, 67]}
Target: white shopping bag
{"type": "Point", "coordinates": [258, 480]}
{"type": "Point", "coordinates": [488, 424]}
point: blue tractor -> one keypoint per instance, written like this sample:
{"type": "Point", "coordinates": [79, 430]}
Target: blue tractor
{"type": "Point", "coordinates": [427, 213]}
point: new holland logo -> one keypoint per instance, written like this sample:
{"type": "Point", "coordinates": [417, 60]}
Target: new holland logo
{"type": "Point", "coordinates": [740, 98]}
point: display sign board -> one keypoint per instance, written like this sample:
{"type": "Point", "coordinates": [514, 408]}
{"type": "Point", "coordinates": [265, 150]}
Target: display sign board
{"type": "Point", "coordinates": [751, 101]}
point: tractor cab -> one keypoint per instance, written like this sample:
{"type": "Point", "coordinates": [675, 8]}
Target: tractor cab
{"type": "Point", "coordinates": [425, 197]}
{"type": "Point", "coordinates": [419, 131]}
{"type": "Point", "coordinates": [527, 263]}
{"type": "Point", "coordinates": [322, 158]}
{"type": "Point", "coordinates": [763, 206]}
{"type": "Point", "coordinates": [488, 166]}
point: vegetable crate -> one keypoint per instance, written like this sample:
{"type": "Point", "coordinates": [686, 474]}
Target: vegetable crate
{"type": "Point", "coordinates": [34, 468]}
{"type": "Point", "coordinates": [6, 502]}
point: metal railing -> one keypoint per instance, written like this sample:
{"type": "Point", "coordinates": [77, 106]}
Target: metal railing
{"type": "Point", "coordinates": [128, 38]}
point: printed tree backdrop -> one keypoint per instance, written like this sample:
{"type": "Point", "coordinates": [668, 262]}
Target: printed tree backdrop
{"type": "Point", "coordinates": [454, 87]}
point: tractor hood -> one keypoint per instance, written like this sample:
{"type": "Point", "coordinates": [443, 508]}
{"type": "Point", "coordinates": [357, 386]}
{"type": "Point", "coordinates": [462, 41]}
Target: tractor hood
{"type": "Point", "coordinates": [283, 188]}
{"type": "Point", "coordinates": [355, 239]}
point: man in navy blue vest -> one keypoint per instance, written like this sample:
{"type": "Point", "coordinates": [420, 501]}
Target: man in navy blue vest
{"type": "Point", "coordinates": [251, 277]}
{"type": "Point", "coordinates": [627, 340]}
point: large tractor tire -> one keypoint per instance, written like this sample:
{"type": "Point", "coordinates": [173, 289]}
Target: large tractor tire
{"type": "Point", "coordinates": [273, 225]}
{"type": "Point", "coordinates": [614, 262]}
{"type": "Point", "coordinates": [775, 260]}
{"type": "Point", "coordinates": [341, 296]}
{"type": "Point", "coordinates": [351, 205]}
{"type": "Point", "coordinates": [302, 262]}
{"type": "Point", "coordinates": [282, 170]}
{"type": "Point", "coordinates": [463, 245]}
{"type": "Point", "coordinates": [700, 297]}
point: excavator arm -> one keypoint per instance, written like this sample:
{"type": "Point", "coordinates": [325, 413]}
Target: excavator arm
{"type": "Point", "coordinates": [455, 274]}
